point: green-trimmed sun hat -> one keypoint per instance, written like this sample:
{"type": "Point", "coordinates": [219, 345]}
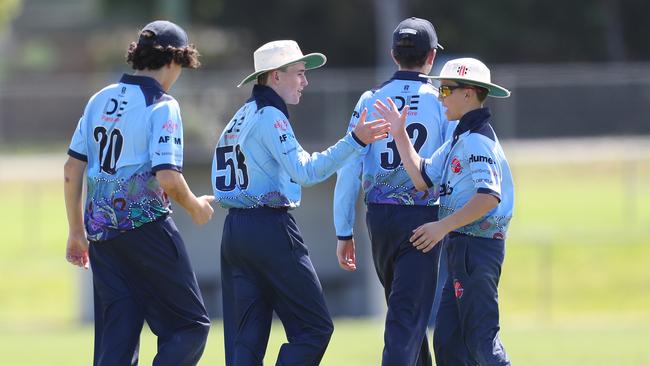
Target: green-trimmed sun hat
{"type": "Point", "coordinates": [473, 72]}
{"type": "Point", "coordinates": [277, 54]}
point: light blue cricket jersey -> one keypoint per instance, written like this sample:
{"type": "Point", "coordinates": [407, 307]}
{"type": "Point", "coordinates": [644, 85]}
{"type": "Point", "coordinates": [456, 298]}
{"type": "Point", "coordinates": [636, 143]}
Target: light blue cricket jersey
{"type": "Point", "coordinates": [128, 131]}
{"type": "Point", "coordinates": [473, 162]}
{"type": "Point", "coordinates": [259, 163]}
{"type": "Point", "coordinates": [380, 168]}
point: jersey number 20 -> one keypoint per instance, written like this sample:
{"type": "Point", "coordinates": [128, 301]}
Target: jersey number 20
{"type": "Point", "coordinates": [110, 148]}
{"type": "Point", "coordinates": [228, 165]}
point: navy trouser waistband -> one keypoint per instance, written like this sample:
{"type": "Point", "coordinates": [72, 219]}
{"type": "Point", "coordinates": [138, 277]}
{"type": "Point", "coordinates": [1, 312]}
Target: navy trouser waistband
{"type": "Point", "coordinates": [455, 234]}
{"type": "Point", "coordinates": [257, 210]}
{"type": "Point", "coordinates": [387, 205]}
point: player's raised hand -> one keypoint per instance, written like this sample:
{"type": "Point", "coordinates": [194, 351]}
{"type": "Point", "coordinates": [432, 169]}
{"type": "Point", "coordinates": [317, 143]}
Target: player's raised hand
{"type": "Point", "coordinates": [346, 255]}
{"type": "Point", "coordinates": [392, 115]}
{"type": "Point", "coordinates": [369, 132]}
{"type": "Point", "coordinates": [76, 251]}
{"type": "Point", "coordinates": [426, 236]}
{"type": "Point", "coordinates": [204, 212]}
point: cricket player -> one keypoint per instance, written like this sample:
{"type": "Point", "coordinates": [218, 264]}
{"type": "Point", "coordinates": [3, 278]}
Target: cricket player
{"type": "Point", "coordinates": [473, 178]}
{"type": "Point", "coordinates": [257, 173]}
{"type": "Point", "coordinates": [130, 143]}
{"type": "Point", "coordinates": [395, 207]}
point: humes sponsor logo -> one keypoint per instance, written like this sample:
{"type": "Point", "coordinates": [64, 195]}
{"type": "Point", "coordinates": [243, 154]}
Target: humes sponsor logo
{"type": "Point", "coordinates": [480, 159]}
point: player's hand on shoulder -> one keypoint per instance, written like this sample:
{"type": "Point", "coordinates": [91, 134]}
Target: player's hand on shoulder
{"type": "Point", "coordinates": [369, 132]}
{"type": "Point", "coordinates": [392, 115]}
{"type": "Point", "coordinates": [77, 249]}
{"type": "Point", "coordinates": [345, 254]}
{"type": "Point", "coordinates": [204, 211]}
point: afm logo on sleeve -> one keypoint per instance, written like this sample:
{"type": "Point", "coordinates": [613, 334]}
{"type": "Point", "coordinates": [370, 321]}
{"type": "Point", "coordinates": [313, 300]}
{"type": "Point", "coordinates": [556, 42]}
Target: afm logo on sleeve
{"type": "Point", "coordinates": [166, 139]}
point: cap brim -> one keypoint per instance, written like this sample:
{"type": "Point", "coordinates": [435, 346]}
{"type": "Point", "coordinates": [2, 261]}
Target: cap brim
{"type": "Point", "coordinates": [494, 90]}
{"type": "Point", "coordinates": [312, 61]}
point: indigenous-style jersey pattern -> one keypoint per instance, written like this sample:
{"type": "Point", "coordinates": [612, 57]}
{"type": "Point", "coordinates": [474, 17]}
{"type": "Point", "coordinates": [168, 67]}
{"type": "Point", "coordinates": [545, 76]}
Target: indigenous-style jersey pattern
{"type": "Point", "coordinates": [128, 131]}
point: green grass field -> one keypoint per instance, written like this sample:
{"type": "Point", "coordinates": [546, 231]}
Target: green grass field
{"type": "Point", "coordinates": [575, 288]}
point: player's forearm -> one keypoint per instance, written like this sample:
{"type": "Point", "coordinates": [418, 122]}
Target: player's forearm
{"type": "Point", "coordinates": [479, 205]}
{"type": "Point", "coordinates": [174, 184]}
{"type": "Point", "coordinates": [310, 169]}
{"type": "Point", "coordinates": [73, 172]}
{"type": "Point", "coordinates": [410, 159]}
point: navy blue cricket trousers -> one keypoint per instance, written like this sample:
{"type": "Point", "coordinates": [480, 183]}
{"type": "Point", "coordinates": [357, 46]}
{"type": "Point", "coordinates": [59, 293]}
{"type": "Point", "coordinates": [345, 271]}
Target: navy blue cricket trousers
{"type": "Point", "coordinates": [265, 267]}
{"type": "Point", "coordinates": [467, 326]}
{"type": "Point", "coordinates": [145, 274]}
{"type": "Point", "coordinates": [409, 277]}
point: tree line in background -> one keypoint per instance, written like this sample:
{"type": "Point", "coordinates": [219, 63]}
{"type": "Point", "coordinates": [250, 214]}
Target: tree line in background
{"type": "Point", "coordinates": [498, 31]}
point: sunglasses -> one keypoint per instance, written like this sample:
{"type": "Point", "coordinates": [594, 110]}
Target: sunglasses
{"type": "Point", "coordinates": [445, 90]}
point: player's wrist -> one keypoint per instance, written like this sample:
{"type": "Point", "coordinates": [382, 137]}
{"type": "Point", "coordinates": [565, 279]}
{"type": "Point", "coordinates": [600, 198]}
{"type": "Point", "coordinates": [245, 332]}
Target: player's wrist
{"type": "Point", "coordinates": [76, 231]}
{"type": "Point", "coordinates": [400, 134]}
{"type": "Point", "coordinates": [449, 224]}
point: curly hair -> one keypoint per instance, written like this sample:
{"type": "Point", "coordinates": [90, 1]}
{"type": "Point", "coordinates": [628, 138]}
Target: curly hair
{"type": "Point", "coordinates": [144, 55]}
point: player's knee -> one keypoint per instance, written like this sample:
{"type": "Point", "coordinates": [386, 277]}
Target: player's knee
{"type": "Point", "coordinates": [322, 335]}
{"type": "Point", "coordinates": [204, 330]}
{"type": "Point", "coordinates": [198, 334]}
{"type": "Point", "coordinates": [487, 350]}
{"type": "Point", "coordinates": [326, 332]}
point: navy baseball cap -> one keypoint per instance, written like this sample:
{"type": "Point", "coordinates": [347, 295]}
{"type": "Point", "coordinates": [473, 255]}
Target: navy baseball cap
{"type": "Point", "coordinates": [415, 35]}
{"type": "Point", "coordinates": [165, 33]}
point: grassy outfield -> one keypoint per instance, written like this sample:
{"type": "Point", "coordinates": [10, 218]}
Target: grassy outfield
{"type": "Point", "coordinates": [358, 343]}
{"type": "Point", "coordinates": [574, 289]}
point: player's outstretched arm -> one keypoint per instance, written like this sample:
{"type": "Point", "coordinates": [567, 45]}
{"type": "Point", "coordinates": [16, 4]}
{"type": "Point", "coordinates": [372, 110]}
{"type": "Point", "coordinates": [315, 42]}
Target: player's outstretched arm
{"type": "Point", "coordinates": [77, 245]}
{"type": "Point", "coordinates": [410, 157]}
{"type": "Point", "coordinates": [371, 131]}
{"type": "Point", "coordinates": [174, 184]}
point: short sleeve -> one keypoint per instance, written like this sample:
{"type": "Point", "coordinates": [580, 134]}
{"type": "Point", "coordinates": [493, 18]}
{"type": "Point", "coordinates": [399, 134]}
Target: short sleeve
{"type": "Point", "coordinates": [358, 109]}
{"type": "Point", "coordinates": [166, 145]}
{"type": "Point", "coordinates": [78, 146]}
{"type": "Point", "coordinates": [484, 165]}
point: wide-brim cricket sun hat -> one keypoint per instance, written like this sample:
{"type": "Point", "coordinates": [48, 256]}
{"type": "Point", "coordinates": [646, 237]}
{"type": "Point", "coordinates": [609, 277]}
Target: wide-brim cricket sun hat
{"type": "Point", "coordinates": [278, 54]}
{"type": "Point", "coordinates": [473, 72]}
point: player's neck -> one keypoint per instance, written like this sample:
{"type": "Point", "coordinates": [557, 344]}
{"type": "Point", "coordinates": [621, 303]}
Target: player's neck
{"type": "Point", "coordinates": [159, 75]}
{"type": "Point", "coordinates": [420, 70]}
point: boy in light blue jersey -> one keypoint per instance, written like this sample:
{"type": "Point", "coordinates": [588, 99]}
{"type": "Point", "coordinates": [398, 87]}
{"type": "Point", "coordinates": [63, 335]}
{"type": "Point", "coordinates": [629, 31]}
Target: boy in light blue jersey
{"type": "Point", "coordinates": [257, 173]}
{"type": "Point", "coordinates": [130, 142]}
{"type": "Point", "coordinates": [395, 207]}
{"type": "Point", "coordinates": [475, 185]}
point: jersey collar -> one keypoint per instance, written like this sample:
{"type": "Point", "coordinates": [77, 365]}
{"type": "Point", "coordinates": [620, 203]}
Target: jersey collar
{"type": "Point", "coordinates": [140, 80]}
{"type": "Point", "coordinates": [472, 121]}
{"type": "Point", "coordinates": [404, 75]}
{"type": "Point", "coordinates": [264, 96]}
{"type": "Point", "coordinates": [409, 75]}
{"type": "Point", "coordinates": [150, 87]}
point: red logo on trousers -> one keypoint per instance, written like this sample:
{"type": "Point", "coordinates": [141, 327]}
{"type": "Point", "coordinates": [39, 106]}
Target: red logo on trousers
{"type": "Point", "coordinates": [458, 289]}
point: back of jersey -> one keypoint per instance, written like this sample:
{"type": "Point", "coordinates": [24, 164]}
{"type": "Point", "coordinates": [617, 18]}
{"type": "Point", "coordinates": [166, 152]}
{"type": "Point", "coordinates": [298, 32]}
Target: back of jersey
{"type": "Point", "coordinates": [128, 131]}
{"type": "Point", "coordinates": [384, 179]}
